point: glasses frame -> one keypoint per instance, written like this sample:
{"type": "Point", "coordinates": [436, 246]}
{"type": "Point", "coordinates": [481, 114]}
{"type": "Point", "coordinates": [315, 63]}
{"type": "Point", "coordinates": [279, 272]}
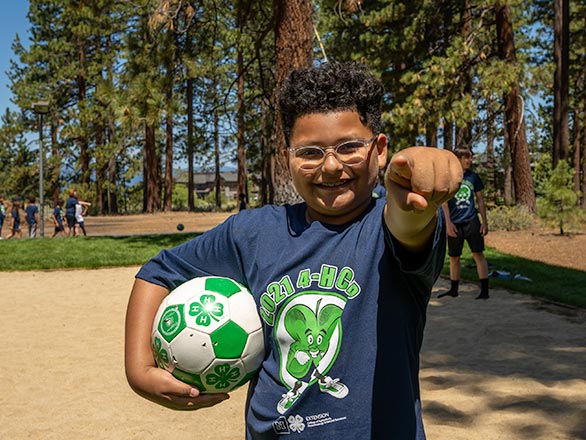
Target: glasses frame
{"type": "Point", "coordinates": [334, 148]}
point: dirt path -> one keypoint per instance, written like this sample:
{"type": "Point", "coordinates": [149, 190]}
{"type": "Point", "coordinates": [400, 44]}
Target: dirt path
{"type": "Point", "coordinates": [498, 369]}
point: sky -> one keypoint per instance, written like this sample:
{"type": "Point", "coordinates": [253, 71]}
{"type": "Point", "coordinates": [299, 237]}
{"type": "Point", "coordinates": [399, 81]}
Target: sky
{"type": "Point", "coordinates": [12, 21]}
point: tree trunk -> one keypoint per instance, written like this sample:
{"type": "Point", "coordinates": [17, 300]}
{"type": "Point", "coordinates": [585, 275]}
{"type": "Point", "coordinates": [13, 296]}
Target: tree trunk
{"type": "Point", "coordinates": [152, 172]}
{"type": "Point", "coordinates": [514, 114]}
{"type": "Point", "coordinates": [242, 187]}
{"type": "Point", "coordinates": [576, 156]}
{"type": "Point", "coordinates": [190, 146]}
{"type": "Point", "coordinates": [168, 187]}
{"type": "Point", "coordinates": [431, 135]}
{"type": "Point", "coordinates": [561, 50]}
{"type": "Point", "coordinates": [490, 162]}
{"type": "Point", "coordinates": [448, 135]}
{"type": "Point", "coordinates": [266, 182]}
{"type": "Point", "coordinates": [464, 133]}
{"type": "Point", "coordinates": [217, 156]}
{"type": "Point", "coordinates": [84, 155]}
{"type": "Point", "coordinates": [293, 49]}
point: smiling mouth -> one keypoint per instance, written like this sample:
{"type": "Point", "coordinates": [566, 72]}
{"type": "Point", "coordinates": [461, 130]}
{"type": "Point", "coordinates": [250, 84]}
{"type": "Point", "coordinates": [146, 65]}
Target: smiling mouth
{"type": "Point", "coordinates": [333, 184]}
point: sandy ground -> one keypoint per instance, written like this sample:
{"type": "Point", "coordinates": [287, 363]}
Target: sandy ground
{"type": "Point", "coordinates": [508, 368]}
{"type": "Point", "coordinates": [500, 369]}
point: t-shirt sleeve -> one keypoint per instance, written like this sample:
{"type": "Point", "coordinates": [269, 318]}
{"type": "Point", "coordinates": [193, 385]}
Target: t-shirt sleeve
{"type": "Point", "coordinates": [478, 185]}
{"type": "Point", "coordinates": [425, 266]}
{"type": "Point", "coordinates": [213, 253]}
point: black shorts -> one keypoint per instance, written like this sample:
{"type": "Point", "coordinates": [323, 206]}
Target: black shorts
{"type": "Point", "coordinates": [470, 232]}
{"type": "Point", "coordinates": [70, 221]}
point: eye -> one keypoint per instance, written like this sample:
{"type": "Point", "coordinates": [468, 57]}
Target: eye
{"type": "Point", "coordinates": [349, 147]}
{"type": "Point", "coordinates": [310, 339]}
{"type": "Point", "coordinates": [309, 153]}
{"type": "Point", "coordinates": [320, 339]}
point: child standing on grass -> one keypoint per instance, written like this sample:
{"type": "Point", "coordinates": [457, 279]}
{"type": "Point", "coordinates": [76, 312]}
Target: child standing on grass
{"type": "Point", "coordinates": [15, 216]}
{"type": "Point", "coordinates": [32, 216]}
{"type": "Point", "coordinates": [80, 211]}
{"type": "Point", "coordinates": [463, 224]}
{"type": "Point", "coordinates": [2, 214]}
{"type": "Point", "coordinates": [57, 218]}
{"type": "Point", "coordinates": [365, 265]}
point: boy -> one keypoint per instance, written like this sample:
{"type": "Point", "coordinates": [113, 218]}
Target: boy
{"type": "Point", "coordinates": [2, 214]}
{"type": "Point", "coordinates": [32, 217]}
{"type": "Point", "coordinates": [80, 211]}
{"type": "Point", "coordinates": [57, 218]}
{"type": "Point", "coordinates": [462, 224]}
{"type": "Point", "coordinates": [15, 230]}
{"type": "Point", "coordinates": [70, 211]}
{"type": "Point", "coordinates": [364, 266]}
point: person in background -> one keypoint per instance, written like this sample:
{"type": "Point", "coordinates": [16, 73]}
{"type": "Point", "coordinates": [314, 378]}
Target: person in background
{"type": "Point", "coordinates": [2, 214]}
{"type": "Point", "coordinates": [80, 211]}
{"type": "Point", "coordinates": [32, 216]}
{"type": "Point", "coordinates": [15, 230]}
{"type": "Point", "coordinates": [463, 224]}
{"type": "Point", "coordinates": [70, 212]}
{"type": "Point", "coordinates": [57, 218]}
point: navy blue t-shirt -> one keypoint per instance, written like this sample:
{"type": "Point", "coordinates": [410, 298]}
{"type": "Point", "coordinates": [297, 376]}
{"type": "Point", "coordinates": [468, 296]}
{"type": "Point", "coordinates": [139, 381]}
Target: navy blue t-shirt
{"type": "Point", "coordinates": [58, 213]}
{"type": "Point", "coordinates": [462, 208]}
{"type": "Point", "coordinates": [70, 207]}
{"type": "Point", "coordinates": [31, 210]}
{"type": "Point", "coordinates": [336, 305]}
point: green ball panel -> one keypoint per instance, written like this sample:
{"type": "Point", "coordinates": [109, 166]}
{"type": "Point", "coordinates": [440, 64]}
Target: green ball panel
{"type": "Point", "coordinates": [223, 286]}
{"type": "Point", "coordinates": [223, 376]}
{"type": "Point", "coordinates": [172, 322]}
{"type": "Point", "coordinates": [229, 341]}
{"type": "Point", "coordinates": [190, 378]}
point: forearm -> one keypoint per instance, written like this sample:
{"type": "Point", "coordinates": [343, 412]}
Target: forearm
{"type": "Point", "coordinates": [142, 307]}
{"type": "Point", "coordinates": [481, 208]}
{"type": "Point", "coordinates": [413, 229]}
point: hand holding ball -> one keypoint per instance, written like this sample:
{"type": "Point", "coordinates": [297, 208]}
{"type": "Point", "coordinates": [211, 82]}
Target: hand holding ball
{"type": "Point", "coordinates": [207, 333]}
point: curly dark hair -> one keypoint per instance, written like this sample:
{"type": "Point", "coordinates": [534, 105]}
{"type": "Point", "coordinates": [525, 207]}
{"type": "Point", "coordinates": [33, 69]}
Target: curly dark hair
{"type": "Point", "coordinates": [329, 88]}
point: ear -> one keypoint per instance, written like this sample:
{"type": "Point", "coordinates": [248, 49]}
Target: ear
{"type": "Point", "coordinates": [381, 149]}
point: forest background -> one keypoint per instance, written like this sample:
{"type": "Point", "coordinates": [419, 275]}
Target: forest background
{"type": "Point", "coordinates": [142, 94]}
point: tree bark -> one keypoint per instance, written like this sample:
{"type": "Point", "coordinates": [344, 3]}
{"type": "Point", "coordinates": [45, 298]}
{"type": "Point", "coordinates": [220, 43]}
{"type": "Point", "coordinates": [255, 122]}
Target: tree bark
{"type": "Point", "coordinates": [152, 172]}
{"type": "Point", "coordinates": [241, 150]}
{"type": "Point", "coordinates": [514, 114]}
{"type": "Point", "coordinates": [293, 49]}
{"type": "Point", "coordinates": [561, 51]}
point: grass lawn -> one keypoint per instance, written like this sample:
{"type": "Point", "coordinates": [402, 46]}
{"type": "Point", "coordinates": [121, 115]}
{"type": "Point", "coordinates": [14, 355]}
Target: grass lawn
{"type": "Point", "coordinates": [84, 252]}
{"type": "Point", "coordinates": [554, 283]}
{"type": "Point", "coordinates": [560, 284]}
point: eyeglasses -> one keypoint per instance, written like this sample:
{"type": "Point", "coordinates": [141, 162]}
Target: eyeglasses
{"type": "Point", "coordinates": [350, 153]}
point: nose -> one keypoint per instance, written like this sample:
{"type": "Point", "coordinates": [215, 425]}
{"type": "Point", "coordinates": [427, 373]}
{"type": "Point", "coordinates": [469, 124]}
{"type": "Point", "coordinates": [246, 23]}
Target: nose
{"type": "Point", "coordinates": [331, 162]}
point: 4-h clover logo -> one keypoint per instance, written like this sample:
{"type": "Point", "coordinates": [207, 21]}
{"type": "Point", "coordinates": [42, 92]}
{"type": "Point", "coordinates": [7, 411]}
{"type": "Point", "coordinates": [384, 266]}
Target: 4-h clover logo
{"type": "Point", "coordinates": [161, 355]}
{"type": "Point", "coordinates": [296, 423]}
{"type": "Point", "coordinates": [223, 376]}
{"type": "Point", "coordinates": [206, 310]}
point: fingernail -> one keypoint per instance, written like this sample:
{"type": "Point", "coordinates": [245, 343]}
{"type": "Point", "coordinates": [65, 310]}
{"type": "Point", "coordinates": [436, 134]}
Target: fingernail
{"type": "Point", "coordinates": [193, 392]}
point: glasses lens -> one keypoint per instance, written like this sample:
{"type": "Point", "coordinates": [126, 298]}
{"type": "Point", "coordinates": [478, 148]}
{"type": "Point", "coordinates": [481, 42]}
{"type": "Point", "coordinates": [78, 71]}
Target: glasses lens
{"type": "Point", "coordinates": [349, 153]}
{"type": "Point", "coordinates": [352, 152]}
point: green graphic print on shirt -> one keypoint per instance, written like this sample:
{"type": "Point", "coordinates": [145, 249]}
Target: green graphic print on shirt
{"type": "Point", "coordinates": [308, 330]}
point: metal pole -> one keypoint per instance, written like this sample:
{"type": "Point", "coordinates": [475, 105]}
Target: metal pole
{"type": "Point", "coordinates": [41, 175]}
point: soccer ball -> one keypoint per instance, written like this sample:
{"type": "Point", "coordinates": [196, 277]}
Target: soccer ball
{"type": "Point", "coordinates": [207, 332]}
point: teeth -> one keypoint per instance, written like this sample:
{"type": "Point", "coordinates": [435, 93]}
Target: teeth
{"type": "Point", "coordinates": [331, 185]}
